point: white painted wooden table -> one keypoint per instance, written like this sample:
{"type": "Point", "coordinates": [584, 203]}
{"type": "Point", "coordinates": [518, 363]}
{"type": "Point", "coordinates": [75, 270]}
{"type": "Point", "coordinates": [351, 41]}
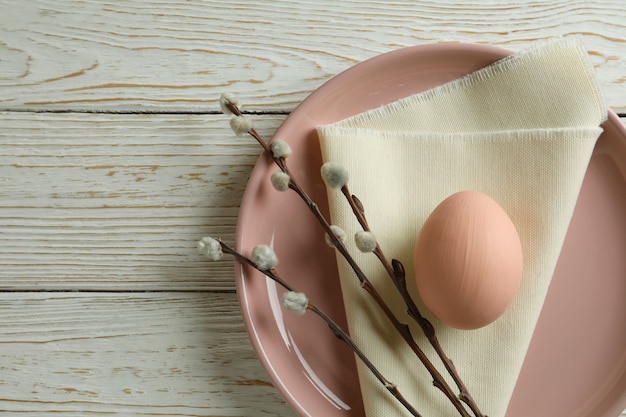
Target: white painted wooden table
{"type": "Point", "coordinates": [114, 160]}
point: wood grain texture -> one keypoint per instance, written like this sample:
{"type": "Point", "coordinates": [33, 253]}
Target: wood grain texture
{"type": "Point", "coordinates": [180, 55]}
{"type": "Point", "coordinates": [113, 161]}
{"type": "Point", "coordinates": [132, 355]}
{"type": "Point", "coordinates": [117, 202]}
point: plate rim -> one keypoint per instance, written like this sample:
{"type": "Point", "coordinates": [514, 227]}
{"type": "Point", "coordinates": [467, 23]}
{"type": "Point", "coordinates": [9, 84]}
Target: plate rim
{"type": "Point", "coordinates": [262, 164]}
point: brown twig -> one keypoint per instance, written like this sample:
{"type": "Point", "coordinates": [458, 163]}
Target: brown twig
{"type": "Point", "coordinates": [395, 270]}
{"type": "Point", "coordinates": [334, 327]}
{"type": "Point", "coordinates": [402, 328]}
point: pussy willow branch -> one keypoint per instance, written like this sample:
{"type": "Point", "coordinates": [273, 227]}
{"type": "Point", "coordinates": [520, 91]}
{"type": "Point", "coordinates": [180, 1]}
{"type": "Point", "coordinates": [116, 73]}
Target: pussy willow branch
{"type": "Point", "coordinates": [402, 328]}
{"type": "Point", "coordinates": [396, 273]}
{"type": "Point", "coordinates": [334, 327]}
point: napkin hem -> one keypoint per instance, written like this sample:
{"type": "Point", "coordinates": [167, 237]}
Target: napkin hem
{"type": "Point", "coordinates": [481, 75]}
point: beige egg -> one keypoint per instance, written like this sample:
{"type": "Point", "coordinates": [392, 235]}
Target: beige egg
{"type": "Point", "coordinates": [468, 261]}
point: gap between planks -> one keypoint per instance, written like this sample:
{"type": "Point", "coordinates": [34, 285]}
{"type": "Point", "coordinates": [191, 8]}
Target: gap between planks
{"type": "Point", "coordinates": [163, 112]}
{"type": "Point", "coordinates": [117, 291]}
{"type": "Point", "coordinates": [154, 112]}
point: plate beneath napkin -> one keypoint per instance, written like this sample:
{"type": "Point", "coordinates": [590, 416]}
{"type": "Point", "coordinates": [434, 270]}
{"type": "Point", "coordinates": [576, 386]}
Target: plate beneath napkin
{"type": "Point", "coordinates": [316, 374]}
{"type": "Point", "coordinates": [522, 131]}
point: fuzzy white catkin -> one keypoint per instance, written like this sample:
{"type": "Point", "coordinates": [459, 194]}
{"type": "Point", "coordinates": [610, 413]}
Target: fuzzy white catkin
{"type": "Point", "coordinates": [334, 175]}
{"type": "Point", "coordinates": [365, 241]}
{"type": "Point", "coordinates": [211, 248]}
{"type": "Point", "coordinates": [228, 98]}
{"type": "Point", "coordinates": [280, 181]}
{"type": "Point", "coordinates": [240, 125]}
{"type": "Point", "coordinates": [294, 301]}
{"type": "Point", "coordinates": [264, 257]}
{"type": "Point", "coordinates": [339, 233]}
{"type": "Point", "coordinates": [280, 149]}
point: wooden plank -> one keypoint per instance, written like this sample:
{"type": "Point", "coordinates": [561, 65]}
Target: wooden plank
{"type": "Point", "coordinates": [131, 354]}
{"type": "Point", "coordinates": [180, 55]}
{"type": "Point", "coordinates": [184, 354]}
{"type": "Point", "coordinates": [110, 202]}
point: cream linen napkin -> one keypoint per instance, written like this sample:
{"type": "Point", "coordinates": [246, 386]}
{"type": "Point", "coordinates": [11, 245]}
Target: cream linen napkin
{"type": "Point", "coordinates": [520, 130]}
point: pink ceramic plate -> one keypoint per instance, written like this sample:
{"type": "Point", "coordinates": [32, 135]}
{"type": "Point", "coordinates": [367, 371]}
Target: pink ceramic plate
{"type": "Point", "coordinates": [576, 366]}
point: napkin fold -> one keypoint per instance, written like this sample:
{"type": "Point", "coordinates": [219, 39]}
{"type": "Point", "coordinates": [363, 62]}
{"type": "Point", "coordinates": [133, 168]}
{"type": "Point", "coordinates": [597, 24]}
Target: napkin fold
{"type": "Point", "coordinates": [522, 131]}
